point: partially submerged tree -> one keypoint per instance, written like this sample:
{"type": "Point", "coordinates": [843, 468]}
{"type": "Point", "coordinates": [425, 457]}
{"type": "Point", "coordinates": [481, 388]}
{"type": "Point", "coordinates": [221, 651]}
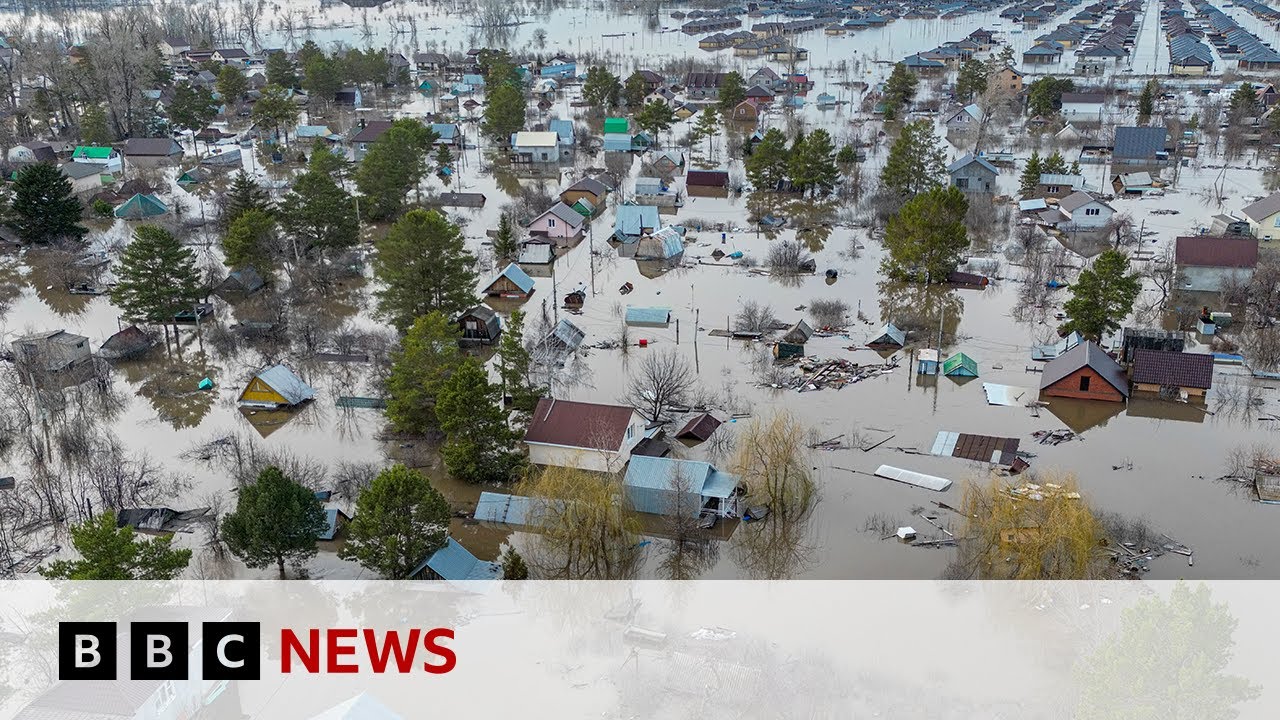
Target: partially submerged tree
{"type": "Point", "coordinates": [276, 521]}
{"type": "Point", "coordinates": [585, 532]}
{"type": "Point", "coordinates": [423, 265]}
{"type": "Point", "coordinates": [515, 369]}
{"type": "Point", "coordinates": [768, 163]}
{"type": "Point", "coordinates": [251, 241]}
{"type": "Point", "coordinates": [972, 79]}
{"type": "Point", "coordinates": [1102, 297]}
{"type": "Point", "coordinates": [44, 208]}
{"type": "Point", "coordinates": [243, 195]}
{"type": "Point", "coordinates": [479, 446]}
{"type": "Point", "coordinates": [663, 380]}
{"type": "Point", "coordinates": [1030, 178]}
{"type": "Point", "coordinates": [927, 238]}
{"type": "Point", "coordinates": [899, 92]}
{"type": "Point", "coordinates": [504, 113]}
{"type": "Point", "coordinates": [157, 277]}
{"type": "Point", "coordinates": [505, 244]}
{"type": "Point", "coordinates": [400, 520]}
{"type": "Point", "coordinates": [111, 553]}
{"type": "Point", "coordinates": [428, 355]}
{"type": "Point", "coordinates": [1044, 96]}
{"type": "Point", "coordinates": [813, 163]}
{"type": "Point", "coordinates": [772, 459]}
{"type": "Point", "coordinates": [733, 90]}
{"type": "Point", "coordinates": [916, 162]}
{"type": "Point", "coordinates": [317, 214]}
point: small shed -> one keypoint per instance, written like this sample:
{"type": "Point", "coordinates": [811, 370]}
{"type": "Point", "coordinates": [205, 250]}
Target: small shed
{"type": "Point", "coordinates": [927, 361]}
{"type": "Point", "coordinates": [334, 522]}
{"type": "Point", "coordinates": [274, 387]}
{"type": "Point", "coordinates": [700, 427]}
{"type": "Point", "coordinates": [479, 325]}
{"type": "Point", "coordinates": [1085, 372]}
{"type": "Point", "coordinates": [665, 244]}
{"type": "Point", "coordinates": [648, 316]}
{"type": "Point", "coordinates": [667, 486]}
{"type": "Point", "coordinates": [454, 562]}
{"type": "Point", "coordinates": [141, 206]}
{"type": "Point", "coordinates": [240, 283]}
{"type": "Point", "coordinates": [960, 365]}
{"type": "Point", "coordinates": [793, 342]}
{"type": "Point", "coordinates": [54, 351]}
{"type": "Point", "coordinates": [512, 282]}
{"type": "Point", "coordinates": [889, 338]}
{"type": "Point", "coordinates": [127, 343]}
{"type": "Point", "coordinates": [535, 253]}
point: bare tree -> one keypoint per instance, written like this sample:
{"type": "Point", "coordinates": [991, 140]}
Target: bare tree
{"type": "Point", "coordinates": [663, 380]}
{"type": "Point", "coordinates": [755, 317]}
{"type": "Point", "coordinates": [788, 257]}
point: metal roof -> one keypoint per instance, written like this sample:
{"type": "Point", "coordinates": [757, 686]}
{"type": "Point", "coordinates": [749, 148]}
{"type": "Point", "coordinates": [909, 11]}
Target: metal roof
{"type": "Point", "coordinates": [503, 508]}
{"type": "Point", "coordinates": [517, 276]}
{"type": "Point", "coordinates": [666, 243]}
{"type": "Point", "coordinates": [630, 220]}
{"type": "Point", "coordinates": [578, 424]}
{"type": "Point", "coordinates": [454, 562]}
{"type": "Point", "coordinates": [527, 138]}
{"type": "Point", "coordinates": [1139, 143]}
{"type": "Point", "coordinates": [652, 316]}
{"type": "Point", "coordinates": [970, 159]}
{"type": "Point", "coordinates": [290, 386]}
{"type": "Point", "coordinates": [910, 477]}
{"type": "Point", "coordinates": [565, 213]}
{"type": "Point", "coordinates": [1086, 354]}
{"type": "Point", "coordinates": [1209, 251]}
{"type": "Point", "coordinates": [1173, 369]}
{"type": "Point", "coordinates": [1264, 208]}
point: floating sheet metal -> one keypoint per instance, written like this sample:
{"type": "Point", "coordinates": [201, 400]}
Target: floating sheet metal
{"type": "Point", "coordinates": [928, 482]}
{"type": "Point", "coordinates": [1007, 395]}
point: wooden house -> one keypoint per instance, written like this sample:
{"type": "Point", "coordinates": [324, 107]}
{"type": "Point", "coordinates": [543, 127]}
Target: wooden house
{"type": "Point", "coordinates": [1085, 372]}
{"type": "Point", "coordinates": [707, 183]}
{"type": "Point", "coordinates": [793, 342]}
{"type": "Point", "coordinates": [1183, 373]}
{"type": "Point", "coordinates": [479, 326]}
{"type": "Point", "coordinates": [587, 188]}
{"type": "Point", "coordinates": [512, 282]}
{"type": "Point", "coordinates": [888, 338]}
{"type": "Point", "coordinates": [276, 387]}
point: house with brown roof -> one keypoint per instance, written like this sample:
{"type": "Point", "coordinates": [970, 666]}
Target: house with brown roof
{"type": "Point", "coordinates": [152, 152]}
{"type": "Point", "coordinates": [1185, 373]}
{"type": "Point", "coordinates": [707, 183]}
{"type": "Point", "coordinates": [703, 85]}
{"type": "Point", "coordinates": [367, 135]}
{"type": "Point", "coordinates": [1085, 372]}
{"type": "Point", "coordinates": [1209, 264]}
{"type": "Point", "coordinates": [586, 436]}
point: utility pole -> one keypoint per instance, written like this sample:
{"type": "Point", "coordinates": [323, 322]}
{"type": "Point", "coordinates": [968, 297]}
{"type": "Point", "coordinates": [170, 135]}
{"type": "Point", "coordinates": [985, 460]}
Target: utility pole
{"type": "Point", "coordinates": [591, 252]}
{"type": "Point", "coordinates": [555, 294]}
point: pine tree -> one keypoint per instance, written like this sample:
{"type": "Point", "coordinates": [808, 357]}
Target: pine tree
{"type": "Point", "coordinates": [275, 109]}
{"type": "Point", "coordinates": [768, 164]}
{"type": "Point", "coordinates": [111, 553]}
{"type": "Point", "coordinates": [899, 91]}
{"type": "Point", "coordinates": [1055, 164]}
{"type": "Point", "coordinates": [971, 80]}
{"type": "Point", "coordinates": [251, 242]}
{"type": "Point", "coordinates": [318, 214]}
{"type": "Point", "coordinates": [423, 265]}
{"type": "Point", "coordinates": [157, 277]}
{"type": "Point", "coordinates": [393, 167]}
{"type": "Point", "coordinates": [44, 209]}
{"type": "Point", "coordinates": [281, 70]}
{"type": "Point", "coordinates": [444, 158]}
{"type": "Point", "coordinates": [813, 164]}
{"type": "Point", "coordinates": [320, 78]}
{"type": "Point", "coordinates": [504, 113]}
{"type": "Point", "coordinates": [926, 239]}
{"type": "Point", "coordinates": [479, 447]}
{"type": "Point", "coordinates": [708, 127]}
{"type": "Point", "coordinates": [515, 369]}
{"type": "Point", "coordinates": [1243, 100]}
{"type": "Point", "coordinates": [244, 194]}
{"type": "Point", "coordinates": [94, 130]}
{"type": "Point", "coordinates": [635, 91]}
{"type": "Point", "coordinates": [232, 85]}
{"type": "Point", "coordinates": [192, 109]}
{"type": "Point", "coordinates": [1102, 297]}
{"type": "Point", "coordinates": [601, 88]}
{"type": "Point", "coordinates": [1147, 102]}
{"type": "Point", "coordinates": [400, 521]}
{"type": "Point", "coordinates": [916, 162]}
{"type": "Point", "coordinates": [505, 244]}
{"type": "Point", "coordinates": [732, 91]}
{"type": "Point", "coordinates": [428, 355]}
{"type": "Point", "coordinates": [656, 117]}
{"type": "Point", "coordinates": [1031, 172]}
{"type": "Point", "coordinates": [513, 566]}
{"type": "Point", "coordinates": [276, 520]}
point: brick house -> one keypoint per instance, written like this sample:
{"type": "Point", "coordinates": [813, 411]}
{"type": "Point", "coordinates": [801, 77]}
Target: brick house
{"type": "Point", "coordinates": [1085, 372]}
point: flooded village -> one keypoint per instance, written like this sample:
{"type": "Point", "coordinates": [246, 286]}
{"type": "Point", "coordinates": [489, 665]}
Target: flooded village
{"type": "Point", "coordinates": [777, 289]}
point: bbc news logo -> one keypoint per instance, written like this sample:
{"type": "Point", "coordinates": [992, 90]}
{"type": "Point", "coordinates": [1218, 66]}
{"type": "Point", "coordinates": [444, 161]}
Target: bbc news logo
{"type": "Point", "coordinates": [233, 651]}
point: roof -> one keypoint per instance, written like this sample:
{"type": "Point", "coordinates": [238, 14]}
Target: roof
{"type": "Point", "coordinates": [452, 199]}
{"type": "Point", "coordinates": [1135, 179]}
{"type": "Point", "coordinates": [446, 131]}
{"type": "Point", "coordinates": [588, 184]}
{"type": "Point", "coordinates": [959, 361]}
{"type": "Point", "coordinates": [1264, 208]}
{"type": "Point", "coordinates": [503, 508]}
{"type": "Point", "coordinates": [703, 79]}
{"type": "Point", "coordinates": [1173, 369]}
{"type": "Point", "coordinates": [567, 334]}
{"type": "Point", "coordinates": [454, 562]}
{"type": "Point", "coordinates": [1086, 354]}
{"type": "Point", "coordinates": [517, 276]}
{"type": "Point", "coordinates": [526, 138]}
{"type": "Point", "coordinates": [92, 152]}
{"type": "Point", "coordinates": [666, 243]}
{"type": "Point", "coordinates": [1077, 200]}
{"type": "Point", "coordinates": [330, 531]}
{"type": "Point", "coordinates": [152, 147]}
{"type": "Point", "coordinates": [1081, 98]}
{"type": "Point", "coordinates": [1140, 143]}
{"type": "Point", "coordinates": [232, 52]}
{"type": "Point", "coordinates": [707, 178]}
{"type": "Point", "coordinates": [699, 427]}
{"type": "Point", "coordinates": [1209, 251]}
{"type": "Point", "coordinates": [371, 131]}
{"type": "Point", "coordinates": [141, 206]}
{"type": "Point", "coordinates": [536, 254]}
{"type": "Point", "coordinates": [1071, 181]}
{"type": "Point", "coordinates": [129, 340]}
{"type": "Point", "coordinates": [798, 334]}
{"type": "Point", "coordinates": [578, 424]}
{"type": "Point", "coordinates": [890, 333]}
{"type": "Point", "coordinates": [361, 707]}
{"type": "Point", "coordinates": [565, 213]}
{"type": "Point", "coordinates": [616, 125]}
{"type": "Point", "coordinates": [630, 220]}
{"type": "Point", "coordinates": [979, 448]}
{"type": "Point", "coordinates": [290, 386]}
{"type": "Point", "coordinates": [79, 171]}
{"type": "Point", "coordinates": [648, 315]}
{"type": "Point", "coordinates": [660, 473]}
{"type": "Point", "coordinates": [970, 159]}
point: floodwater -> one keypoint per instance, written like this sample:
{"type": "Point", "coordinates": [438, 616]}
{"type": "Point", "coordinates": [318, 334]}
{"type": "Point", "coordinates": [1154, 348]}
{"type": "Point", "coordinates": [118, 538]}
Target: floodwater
{"type": "Point", "coordinates": [1151, 460]}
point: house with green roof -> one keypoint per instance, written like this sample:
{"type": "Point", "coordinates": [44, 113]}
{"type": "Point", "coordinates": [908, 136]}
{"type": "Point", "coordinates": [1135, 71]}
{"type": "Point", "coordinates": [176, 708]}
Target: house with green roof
{"type": "Point", "coordinates": [96, 155]}
{"type": "Point", "coordinates": [140, 207]}
{"type": "Point", "coordinates": [960, 365]}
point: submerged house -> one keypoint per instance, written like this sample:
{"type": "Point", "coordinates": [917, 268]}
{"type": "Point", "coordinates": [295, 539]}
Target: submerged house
{"type": "Point", "coordinates": [560, 225]}
{"type": "Point", "coordinates": [479, 325]}
{"type": "Point", "coordinates": [889, 338]}
{"type": "Point", "coordinates": [700, 427]}
{"type": "Point", "coordinates": [275, 387]}
{"type": "Point", "coordinates": [1085, 372]}
{"type": "Point", "coordinates": [793, 342]}
{"type": "Point", "coordinates": [1183, 373]}
{"type": "Point", "coordinates": [648, 316]}
{"type": "Point", "coordinates": [536, 147]}
{"type": "Point", "coordinates": [52, 352]}
{"type": "Point", "coordinates": [707, 183]}
{"type": "Point", "coordinates": [667, 486]}
{"type": "Point", "coordinates": [587, 436]}
{"type": "Point", "coordinates": [127, 343]}
{"type": "Point", "coordinates": [454, 562]}
{"type": "Point", "coordinates": [960, 365]}
{"type": "Point", "coordinates": [141, 206]}
{"type": "Point", "coordinates": [1210, 264]}
{"type": "Point", "coordinates": [973, 174]}
{"type": "Point", "coordinates": [665, 244]}
{"type": "Point", "coordinates": [512, 282]}
{"type": "Point", "coordinates": [633, 221]}
{"type": "Point", "coordinates": [240, 283]}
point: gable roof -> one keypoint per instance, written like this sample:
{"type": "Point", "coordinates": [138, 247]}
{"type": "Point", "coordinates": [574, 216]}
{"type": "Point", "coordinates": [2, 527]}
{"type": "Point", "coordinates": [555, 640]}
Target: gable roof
{"type": "Point", "coordinates": [454, 562]}
{"type": "Point", "coordinates": [1086, 354]}
{"type": "Point", "coordinates": [1077, 200]}
{"type": "Point", "coordinates": [578, 424]}
{"type": "Point", "coordinates": [970, 159]}
{"type": "Point", "coordinates": [630, 220]}
{"type": "Point", "coordinates": [152, 147]}
{"type": "Point", "coordinates": [371, 131]}
{"type": "Point", "coordinates": [1083, 98]}
{"type": "Point", "coordinates": [527, 138]}
{"type": "Point", "coordinates": [588, 184]}
{"type": "Point", "coordinates": [707, 178]}
{"type": "Point", "coordinates": [699, 427]}
{"type": "Point", "coordinates": [92, 152]}
{"type": "Point", "coordinates": [1173, 369]}
{"type": "Point", "coordinates": [565, 213]}
{"type": "Point", "coordinates": [1139, 143]}
{"type": "Point", "coordinates": [290, 386]}
{"type": "Point", "coordinates": [518, 277]}
{"type": "Point", "coordinates": [1264, 208]}
{"type": "Point", "coordinates": [1209, 251]}
{"type": "Point", "coordinates": [79, 171]}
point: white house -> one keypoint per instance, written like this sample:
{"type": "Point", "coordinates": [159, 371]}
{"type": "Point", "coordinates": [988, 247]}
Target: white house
{"type": "Point", "coordinates": [1083, 211]}
{"type": "Point", "coordinates": [32, 152]}
{"type": "Point", "coordinates": [969, 116]}
{"type": "Point", "coordinates": [1264, 217]}
{"type": "Point", "coordinates": [536, 146]}
{"type": "Point", "coordinates": [1082, 107]}
{"type": "Point", "coordinates": [587, 436]}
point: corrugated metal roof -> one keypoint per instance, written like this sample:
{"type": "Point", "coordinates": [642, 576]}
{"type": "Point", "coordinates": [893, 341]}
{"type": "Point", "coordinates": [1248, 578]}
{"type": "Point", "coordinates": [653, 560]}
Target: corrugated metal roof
{"type": "Point", "coordinates": [1139, 143]}
{"type": "Point", "coordinates": [666, 243]}
{"type": "Point", "coordinates": [1086, 354]}
{"type": "Point", "coordinates": [630, 220]}
{"type": "Point", "coordinates": [517, 276]}
{"type": "Point", "coordinates": [454, 562]}
{"type": "Point", "coordinates": [1173, 369]}
{"type": "Point", "coordinates": [290, 386]}
{"type": "Point", "coordinates": [890, 335]}
{"type": "Point", "coordinates": [503, 508]}
{"type": "Point", "coordinates": [910, 477]}
{"type": "Point", "coordinates": [651, 316]}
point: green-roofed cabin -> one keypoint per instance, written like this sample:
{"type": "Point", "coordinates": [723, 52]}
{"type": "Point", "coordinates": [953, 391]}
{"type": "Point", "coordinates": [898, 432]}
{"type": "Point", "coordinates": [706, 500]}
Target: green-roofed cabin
{"type": "Point", "coordinates": [92, 152]}
{"type": "Point", "coordinates": [960, 365]}
{"type": "Point", "coordinates": [141, 206]}
{"type": "Point", "coordinates": [616, 125]}
{"type": "Point", "coordinates": [584, 208]}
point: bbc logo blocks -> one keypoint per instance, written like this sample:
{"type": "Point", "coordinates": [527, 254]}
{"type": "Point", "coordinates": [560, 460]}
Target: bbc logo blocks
{"type": "Point", "coordinates": [159, 651]}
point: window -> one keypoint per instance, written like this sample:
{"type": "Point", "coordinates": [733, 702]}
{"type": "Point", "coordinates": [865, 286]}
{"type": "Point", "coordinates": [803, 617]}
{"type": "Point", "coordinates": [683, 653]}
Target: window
{"type": "Point", "coordinates": [1277, 220]}
{"type": "Point", "coordinates": [1084, 383]}
{"type": "Point", "coordinates": [631, 431]}
{"type": "Point", "coordinates": [551, 222]}
{"type": "Point", "coordinates": [1053, 189]}
{"type": "Point", "coordinates": [962, 183]}
{"type": "Point", "coordinates": [1093, 211]}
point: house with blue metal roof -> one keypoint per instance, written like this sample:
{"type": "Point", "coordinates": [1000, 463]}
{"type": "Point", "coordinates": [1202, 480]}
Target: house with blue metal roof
{"type": "Point", "coordinates": [973, 174]}
{"type": "Point", "coordinates": [454, 562]}
{"type": "Point", "coordinates": [648, 316]}
{"type": "Point", "coordinates": [665, 244]}
{"type": "Point", "coordinates": [447, 133]}
{"type": "Point", "coordinates": [512, 282]}
{"type": "Point", "coordinates": [668, 486]}
{"type": "Point", "coordinates": [632, 221]}
{"type": "Point", "coordinates": [334, 521]}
